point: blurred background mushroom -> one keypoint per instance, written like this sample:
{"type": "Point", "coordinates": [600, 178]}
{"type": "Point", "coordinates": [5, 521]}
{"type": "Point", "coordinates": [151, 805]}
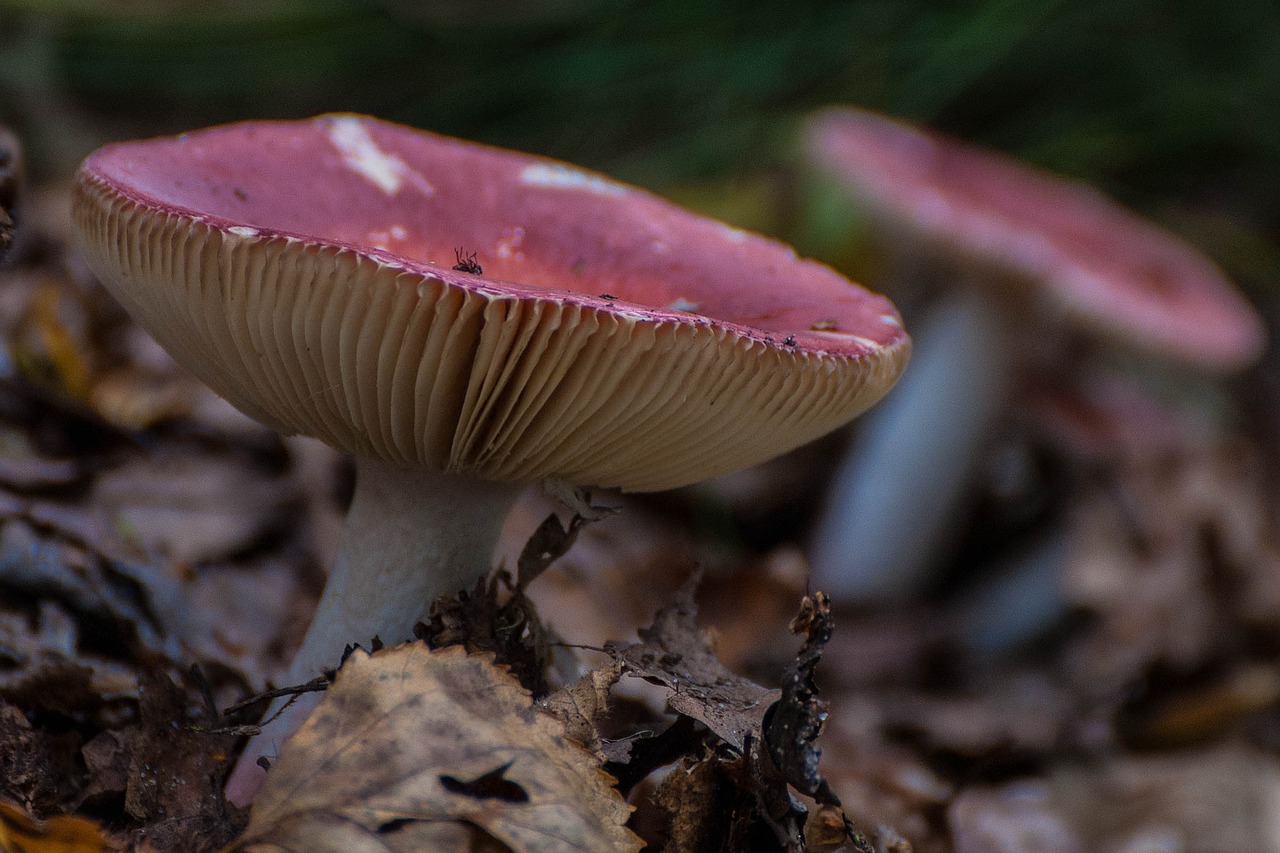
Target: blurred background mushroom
{"type": "Point", "coordinates": [1019, 279]}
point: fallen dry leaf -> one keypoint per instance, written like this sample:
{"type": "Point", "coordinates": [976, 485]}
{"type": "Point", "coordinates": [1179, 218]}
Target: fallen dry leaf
{"type": "Point", "coordinates": [1218, 799]}
{"type": "Point", "coordinates": [410, 743]}
{"type": "Point", "coordinates": [673, 653]}
{"type": "Point", "coordinates": [583, 705]}
{"type": "Point", "coordinates": [744, 791]}
{"type": "Point", "coordinates": [551, 541]}
{"type": "Point", "coordinates": [174, 771]}
{"type": "Point", "coordinates": [29, 775]}
{"type": "Point", "coordinates": [21, 833]}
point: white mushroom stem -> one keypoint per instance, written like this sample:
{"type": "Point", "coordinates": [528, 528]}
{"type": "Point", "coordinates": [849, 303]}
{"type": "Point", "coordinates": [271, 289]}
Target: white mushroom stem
{"type": "Point", "coordinates": [895, 498]}
{"type": "Point", "coordinates": [410, 537]}
{"type": "Point", "coordinates": [1021, 601]}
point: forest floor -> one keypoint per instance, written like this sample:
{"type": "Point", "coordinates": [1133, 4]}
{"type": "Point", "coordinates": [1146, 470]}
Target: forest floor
{"type": "Point", "coordinates": [160, 555]}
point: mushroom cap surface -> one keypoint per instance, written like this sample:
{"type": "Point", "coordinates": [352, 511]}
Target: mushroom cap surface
{"type": "Point", "coordinates": [306, 271]}
{"type": "Point", "coordinates": [1095, 262]}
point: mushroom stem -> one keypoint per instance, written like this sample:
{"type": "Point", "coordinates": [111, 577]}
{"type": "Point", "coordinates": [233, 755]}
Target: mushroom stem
{"type": "Point", "coordinates": [410, 537]}
{"type": "Point", "coordinates": [896, 496]}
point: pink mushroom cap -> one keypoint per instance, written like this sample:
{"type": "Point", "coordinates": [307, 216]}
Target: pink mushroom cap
{"type": "Point", "coordinates": [1093, 261]}
{"type": "Point", "coordinates": [222, 236]}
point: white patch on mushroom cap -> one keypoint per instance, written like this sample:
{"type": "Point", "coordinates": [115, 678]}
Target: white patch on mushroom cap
{"type": "Point", "coordinates": [682, 304]}
{"type": "Point", "coordinates": [845, 336]}
{"type": "Point", "coordinates": [243, 231]}
{"type": "Point", "coordinates": [557, 176]}
{"type": "Point", "coordinates": [363, 156]}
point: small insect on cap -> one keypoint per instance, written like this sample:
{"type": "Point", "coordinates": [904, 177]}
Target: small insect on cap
{"type": "Point", "coordinates": [1093, 261]}
{"type": "Point", "coordinates": [307, 271]}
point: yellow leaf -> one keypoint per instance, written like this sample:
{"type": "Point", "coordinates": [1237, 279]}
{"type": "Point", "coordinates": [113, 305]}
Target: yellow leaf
{"type": "Point", "coordinates": [21, 833]}
{"type": "Point", "coordinates": [64, 353]}
{"type": "Point", "coordinates": [414, 749]}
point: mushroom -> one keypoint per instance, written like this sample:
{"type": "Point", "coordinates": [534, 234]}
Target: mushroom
{"type": "Point", "coordinates": [1036, 264]}
{"type": "Point", "coordinates": [312, 273]}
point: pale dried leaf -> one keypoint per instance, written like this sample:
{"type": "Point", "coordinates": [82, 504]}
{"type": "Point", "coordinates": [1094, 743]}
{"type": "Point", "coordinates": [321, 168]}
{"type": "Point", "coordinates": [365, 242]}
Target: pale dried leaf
{"type": "Point", "coordinates": [411, 738]}
{"type": "Point", "coordinates": [582, 705]}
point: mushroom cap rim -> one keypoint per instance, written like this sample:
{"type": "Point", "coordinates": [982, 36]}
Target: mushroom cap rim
{"type": "Point", "coordinates": [855, 346]}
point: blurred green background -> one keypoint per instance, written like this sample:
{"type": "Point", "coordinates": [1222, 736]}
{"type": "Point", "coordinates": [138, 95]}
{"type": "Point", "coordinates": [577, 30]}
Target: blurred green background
{"type": "Point", "coordinates": [1173, 106]}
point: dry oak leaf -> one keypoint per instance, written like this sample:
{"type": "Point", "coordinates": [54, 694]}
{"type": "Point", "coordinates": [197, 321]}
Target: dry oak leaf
{"type": "Point", "coordinates": [21, 833]}
{"type": "Point", "coordinates": [412, 745]}
{"type": "Point", "coordinates": [581, 706]}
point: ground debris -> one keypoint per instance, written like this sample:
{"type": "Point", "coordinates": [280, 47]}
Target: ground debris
{"type": "Point", "coordinates": [29, 771]}
{"type": "Point", "coordinates": [551, 541]}
{"type": "Point", "coordinates": [22, 833]}
{"type": "Point", "coordinates": [1217, 799]}
{"type": "Point", "coordinates": [1168, 559]}
{"type": "Point", "coordinates": [793, 724]}
{"type": "Point", "coordinates": [672, 652]}
{"type": "Point", "coordinates": [582, 706]}
{"type": "Point", "coordinates": [175, 773]}
{"type": "Point", "coordinates": [764, 744]}
{"type": "Point", "coordinates": [493, 617]}
{"type": "Point", "coordinates": [185, 503]}
{"type": "Point", "coordinates": [411, 742]}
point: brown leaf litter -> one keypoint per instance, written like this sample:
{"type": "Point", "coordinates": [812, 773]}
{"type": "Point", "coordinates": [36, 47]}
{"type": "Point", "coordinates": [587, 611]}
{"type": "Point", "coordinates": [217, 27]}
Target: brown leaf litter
{"type": "Point", "coordinates": [22, 833]}
{"type": "Point", "coordinates": [415, 749]}
{"type": "Point", "coordinates": [735, 793]}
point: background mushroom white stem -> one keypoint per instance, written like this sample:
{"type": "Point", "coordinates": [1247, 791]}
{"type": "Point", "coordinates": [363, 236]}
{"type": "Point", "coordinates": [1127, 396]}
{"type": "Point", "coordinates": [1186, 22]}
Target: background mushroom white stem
{"type": "Point", "coordinates": [1021, 600]}
{"type": "Point", "coordinates": [897, 494]}
{"type": "Point", "coordinates": [411, 536]}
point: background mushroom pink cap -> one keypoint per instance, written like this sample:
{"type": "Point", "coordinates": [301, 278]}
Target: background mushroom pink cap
{"type": "Point", "coordinates": [249, 217]}
{"type": "Point", "coordinates": [1099, 264]}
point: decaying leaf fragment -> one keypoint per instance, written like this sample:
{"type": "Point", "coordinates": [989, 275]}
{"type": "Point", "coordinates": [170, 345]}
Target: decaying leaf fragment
{"type": "Point", "coordinates": [551, 541]}
{"type": "Point", "coordinates": [671, 652]}
{"type": "Point", "coordinates": [21, 833]}
{"type": "Point", "coordinates": [789, 754]}
{"type": "Point", "coordinates": [581, 706]}
{"type": "Point", "coordinates": [793, 724]}
{"type": "Point", "coordinates": [742, 789]}
{"type": "Point", "coordinates": [480, 620]}
{"type": "Point", "coordinates": [420, 749]}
